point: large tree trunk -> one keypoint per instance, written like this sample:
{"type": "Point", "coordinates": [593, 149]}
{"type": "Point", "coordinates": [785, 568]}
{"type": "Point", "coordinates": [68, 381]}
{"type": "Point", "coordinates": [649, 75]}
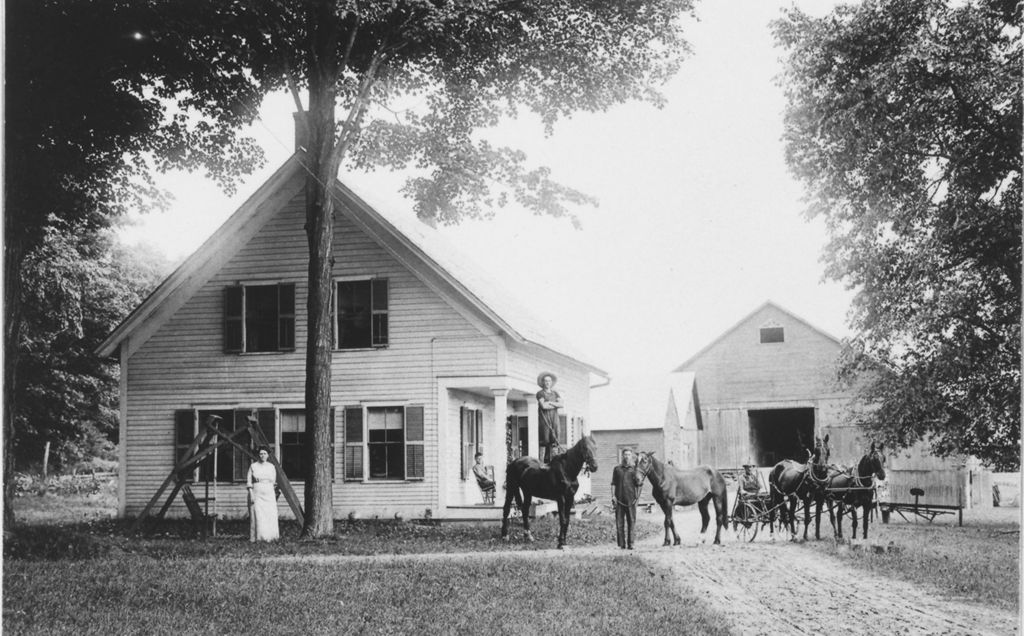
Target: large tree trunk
{"type": "Point", "coordinates": [320, 236]}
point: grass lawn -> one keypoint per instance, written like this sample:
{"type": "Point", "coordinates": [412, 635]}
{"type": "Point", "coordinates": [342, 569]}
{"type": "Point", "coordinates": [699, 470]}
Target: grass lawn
{"type": "Point", "coordinates": [494, 594]}
{"type": "Point", "coordinates": [979, 561]}
{"type": "Point", "coordinates": [83, 574]}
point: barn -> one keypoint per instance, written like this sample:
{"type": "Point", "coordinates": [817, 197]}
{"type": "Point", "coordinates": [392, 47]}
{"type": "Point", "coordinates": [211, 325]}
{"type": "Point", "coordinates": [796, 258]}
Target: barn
{"type": "Point", "coordinates": [431, 363]}
{"type": "Point", "coordinates": [768, 386]}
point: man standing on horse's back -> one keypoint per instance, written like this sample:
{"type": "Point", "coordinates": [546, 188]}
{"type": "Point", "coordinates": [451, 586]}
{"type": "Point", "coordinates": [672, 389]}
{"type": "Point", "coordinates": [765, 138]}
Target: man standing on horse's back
{"type": "Point", "coordinates": [626, 484]}
{"type": "Point", "coordinates": [548, 403]}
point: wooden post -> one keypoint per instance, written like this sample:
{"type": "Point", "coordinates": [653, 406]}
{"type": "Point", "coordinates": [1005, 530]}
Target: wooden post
{"type": "Point", "coordinates": [46, 458]}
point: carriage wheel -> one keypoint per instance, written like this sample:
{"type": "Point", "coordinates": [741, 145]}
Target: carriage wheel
{"type": "Point", "coordinates": [746, 525]}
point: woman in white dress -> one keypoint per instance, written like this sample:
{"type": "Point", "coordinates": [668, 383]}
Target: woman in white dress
{"type": "Point", "coordinates": [262, 485]}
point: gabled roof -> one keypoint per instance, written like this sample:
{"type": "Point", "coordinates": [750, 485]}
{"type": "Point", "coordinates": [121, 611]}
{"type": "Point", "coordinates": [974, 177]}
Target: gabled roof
{"type": "Point", "coordinates": [643, 402]}
{"type": "Point", "coordinates": [416, 245]}
{"type": "Point", "coordinates": [767, 304]}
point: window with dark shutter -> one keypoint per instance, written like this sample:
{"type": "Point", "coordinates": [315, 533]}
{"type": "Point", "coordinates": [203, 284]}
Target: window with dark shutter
{"type": "Point", "coordinates": [385, 442]}
{"type": "Point", "coordinates": [259, 318]}
{"type": "Point", "coordinates": [234, 318]}
{"type": "Point", "coordinates": [563, 438]}
{"type": "Point", "coordinates": [361, 313]}
{"type": "Point", "coordinates": [296, 449]}
{"type": "Point", "coordinates": [184, 432]}
{"type": "Point", "coordinates": [415, 467]}
{"type": "Point", "coordinates": [286, 317]}
{"type": "Point", "coordinates": [353, 462]}
{"type": "Point", "coordinates": [379, 300]}
{"type": "Point", "coordinates": [771, 335]}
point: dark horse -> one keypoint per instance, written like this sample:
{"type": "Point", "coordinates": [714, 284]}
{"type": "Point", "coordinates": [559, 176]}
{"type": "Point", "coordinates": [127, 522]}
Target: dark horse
{"type": "Point", "coordinates": [858, 491]}
{"type": "Point", "coordinates": [556, 481]}
{"type": "Point", "coordinates": [672, 487]}
{"type": "Point", "coordinates": [790, 481]}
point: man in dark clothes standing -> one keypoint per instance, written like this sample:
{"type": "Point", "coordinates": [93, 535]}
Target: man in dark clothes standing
{"type": "Point", "coordinates": [548, 403]}
{"type": "Point", "coordinates": [625, 493]}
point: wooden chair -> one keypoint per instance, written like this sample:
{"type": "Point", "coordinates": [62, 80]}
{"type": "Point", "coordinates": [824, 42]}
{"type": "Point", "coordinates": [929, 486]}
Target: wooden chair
{"type": "Point", "coordinates": [201, 519]}
{"type": "Point", "coordinates": [488, 492]}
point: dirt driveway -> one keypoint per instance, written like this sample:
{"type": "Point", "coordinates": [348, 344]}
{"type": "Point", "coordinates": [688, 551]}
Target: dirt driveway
{"type": "Point", "coordinates": [774, 588]}
{"type": "Point", "coordinates": [780, 588]}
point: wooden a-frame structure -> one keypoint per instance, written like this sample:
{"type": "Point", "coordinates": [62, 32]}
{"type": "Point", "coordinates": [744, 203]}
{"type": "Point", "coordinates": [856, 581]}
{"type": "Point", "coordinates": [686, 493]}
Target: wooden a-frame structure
{"type": "Point", "coordinates": [209, 439]}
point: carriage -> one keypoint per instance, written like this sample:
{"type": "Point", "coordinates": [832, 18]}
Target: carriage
{"type": "Point", "coordinates": [847, 490]}
{"type": "Point", "coordinates": [752, 512]}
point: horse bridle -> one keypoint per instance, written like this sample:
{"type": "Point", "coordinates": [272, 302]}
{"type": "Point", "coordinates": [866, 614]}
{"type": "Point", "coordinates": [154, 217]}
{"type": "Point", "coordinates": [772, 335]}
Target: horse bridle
{"type": "Point", "coordinates": [643, 474]}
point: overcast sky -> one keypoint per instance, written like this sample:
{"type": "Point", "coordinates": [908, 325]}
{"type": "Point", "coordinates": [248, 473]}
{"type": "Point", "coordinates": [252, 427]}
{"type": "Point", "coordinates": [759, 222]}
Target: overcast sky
{"type": "Point", "coordinates": [699, 222]}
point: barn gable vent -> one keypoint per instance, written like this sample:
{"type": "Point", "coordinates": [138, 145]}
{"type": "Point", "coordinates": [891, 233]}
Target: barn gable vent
{"type": "Point", "coordinates": [772, 332]}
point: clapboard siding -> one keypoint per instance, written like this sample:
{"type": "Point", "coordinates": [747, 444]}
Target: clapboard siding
{"type": "Point", "coordinates": [182, 364]}
{"type": "Point", "coordinates": [739, 366]}
{"type": "Point", "coordinates": [609, 456]}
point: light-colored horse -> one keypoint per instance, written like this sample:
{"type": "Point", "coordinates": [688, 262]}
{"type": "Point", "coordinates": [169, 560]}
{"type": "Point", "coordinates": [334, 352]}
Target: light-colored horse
{"type": "Point", "coordinates": [672, 487]}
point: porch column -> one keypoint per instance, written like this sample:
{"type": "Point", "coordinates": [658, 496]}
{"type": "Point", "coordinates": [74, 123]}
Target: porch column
{"type": "Point", "coordinates": [497, 451]}
{"type": "Point", "coordinates": [533, 427]}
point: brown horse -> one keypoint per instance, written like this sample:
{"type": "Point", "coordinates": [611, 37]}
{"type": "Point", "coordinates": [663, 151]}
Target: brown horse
{"type": "Point", "coordinates": [526, 478]}
{"type": "Point", "coordinates": [790, 481]}
{"type": "Point", "coordinates": [858, 491]}
{"type": "Point", "coordinates": [672, 487]}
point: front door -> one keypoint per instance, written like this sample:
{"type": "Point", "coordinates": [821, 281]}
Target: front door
{"type": "Point", "coordinates": [517, 436]}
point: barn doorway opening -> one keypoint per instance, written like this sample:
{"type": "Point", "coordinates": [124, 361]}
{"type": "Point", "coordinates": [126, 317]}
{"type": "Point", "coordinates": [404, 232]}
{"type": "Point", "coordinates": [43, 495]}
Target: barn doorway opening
{"type": "Point", "coordinates": [778, 434]}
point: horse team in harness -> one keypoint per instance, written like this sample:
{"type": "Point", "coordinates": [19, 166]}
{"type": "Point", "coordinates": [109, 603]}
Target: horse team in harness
{"type": "Point", "coordinates": [813, 482]}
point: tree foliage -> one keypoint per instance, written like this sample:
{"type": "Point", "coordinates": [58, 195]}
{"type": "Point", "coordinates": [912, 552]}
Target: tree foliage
{"type": "Point", "coordinates": [78, 285]}
{"type": "Point", "coordinates": [83, 126]}
{"type": "Point", "coordinates": [410, 84]}
{"type": "Point", "coordinates": [904, 122]}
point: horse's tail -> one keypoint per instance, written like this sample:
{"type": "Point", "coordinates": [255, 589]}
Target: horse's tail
{"type": "Point", "coordinates": [720, 494]}
{"type": "Point", "coordinates": [774, 488]}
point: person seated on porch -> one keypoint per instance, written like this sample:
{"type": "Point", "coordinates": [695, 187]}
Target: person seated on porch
{"type": "Point", "coordinates": [750, 482]}
{"type": "Point", "coordinates": [483, 479]}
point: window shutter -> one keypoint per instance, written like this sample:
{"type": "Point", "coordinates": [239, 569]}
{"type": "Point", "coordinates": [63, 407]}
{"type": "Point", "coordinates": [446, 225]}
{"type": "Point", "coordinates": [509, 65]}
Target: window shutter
{"type": "Point", "coordinates": [267, 420]}
{"type": "Point", "coordinates": [353, 463]}
{"type": "Point", "coordinates": [334, 444]}
{"type": "Point", "coordinates": [379, 310]}
{"type": "Point", "coordinates": [286, 317]}
{"type": "Point", "coordinates": [334, 318]}
{"type": "Point", "coordinates": [234, 320]}
{"type": "Point", "coordinates": [464, 441]}
{"type": "Point", "coordinates": [415, 453]}
{"type": "Point", "coordinates": [240, 460]}
{"type": "Point", "coordinates": [478, 435]}
{"type": "Point", "coordinates": [563, 439]}
{"type": "Point", "coordinates": [184, 433]}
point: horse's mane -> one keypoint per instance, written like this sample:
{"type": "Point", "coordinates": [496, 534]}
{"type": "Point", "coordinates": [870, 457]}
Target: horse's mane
{"type": "Point", "coordinates": [660, 469]}
{"type": "Point", "coordinates": [561, 460]}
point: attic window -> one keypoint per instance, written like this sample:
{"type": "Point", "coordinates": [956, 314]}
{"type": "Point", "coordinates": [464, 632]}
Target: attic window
{"type": "Point", "coordinates": [772, 334]}
{"type": "Point", "coordinates": [259, 318]}
{"type": "Point", "coordinates": [362, 314]}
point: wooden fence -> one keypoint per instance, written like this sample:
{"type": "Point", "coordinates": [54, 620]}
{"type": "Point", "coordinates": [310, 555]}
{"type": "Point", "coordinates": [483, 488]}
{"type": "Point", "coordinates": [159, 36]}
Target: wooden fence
{"type": "Point", "coordinates": [941, 487]}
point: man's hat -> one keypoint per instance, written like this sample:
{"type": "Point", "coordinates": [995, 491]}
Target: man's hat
{"type": "Point", "coordinates": [540, 379]}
